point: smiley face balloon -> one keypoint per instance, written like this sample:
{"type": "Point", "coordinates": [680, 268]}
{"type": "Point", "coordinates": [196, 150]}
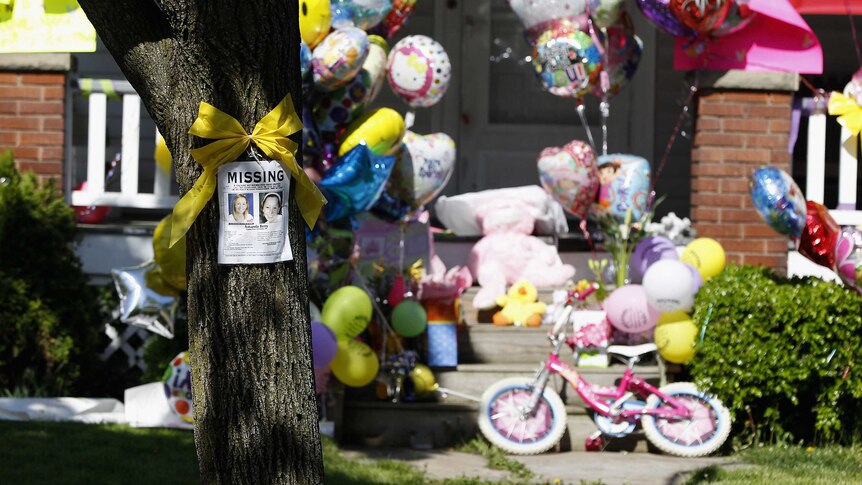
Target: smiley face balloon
{"type": "Point", "coordinates": [314, 19]}
{"type": "Point", "coordinates": [419, 70]}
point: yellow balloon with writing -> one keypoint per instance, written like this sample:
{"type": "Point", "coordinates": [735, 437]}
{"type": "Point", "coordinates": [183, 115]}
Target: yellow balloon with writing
{"type": "Point", "coordinates": [675, 336]}
{"type": "Point", "coordinates": [706, 255]}
{"type": "Point", "coordinates": [347, 312]}
{"type": "Point", "coordinates": [315, 17]}
{"type": "Point", "coordinates": [171, 261]}
{"type": "Point", "coordinates": [355, 364]}
{"type": "Point", "coordinates": [381, 130]}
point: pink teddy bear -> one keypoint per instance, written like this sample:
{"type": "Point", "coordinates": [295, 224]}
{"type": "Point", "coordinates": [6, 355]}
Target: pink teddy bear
{"type": "Point", "coordinates": [509, 252]}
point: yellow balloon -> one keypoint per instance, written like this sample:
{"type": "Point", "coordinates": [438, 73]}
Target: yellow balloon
{"type": "Point", "coordinates": [355, 364]}
{"type": "Point", "coordinates": [315, 17]}
{"type": "Point", "coordinates": [171, 261]}
{"type": "Point", "coordinates": [347, 312]}
{"type": "Point", "coordinates": [423, 380]}
{"type": "Point", "coordinates": [706, 255]}
{"type": "Point", "coordinates": [163, 155]}
{"type": "Point", "coordinates": [154, 281]}
{"type": "Point", "coordinates": [381, 129]}
{"type": "Point", "coordinates": [675, 335]}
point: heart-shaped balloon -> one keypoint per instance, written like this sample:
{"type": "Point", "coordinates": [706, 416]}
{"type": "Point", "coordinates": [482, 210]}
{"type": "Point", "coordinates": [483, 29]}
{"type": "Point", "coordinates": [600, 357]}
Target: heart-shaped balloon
{"type": "Point", "coordinates": [623, 185]}
{"type": "Point", "coordinates": [335, 109]}
{"type": "Point", "coordinates": [423, 169]}
{"type": "Point", "coordinates": [819, 235]}
{"type": "Point", "coordinates": [569, 174]}
{"type": "Point", "coordinates": [338, 59]}
{"type": "Point", "coordinates": [701, 15]}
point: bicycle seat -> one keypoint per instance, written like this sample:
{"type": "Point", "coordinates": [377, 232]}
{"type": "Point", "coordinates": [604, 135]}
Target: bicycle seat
{"type": "Point", "coordinates": [631, 351]}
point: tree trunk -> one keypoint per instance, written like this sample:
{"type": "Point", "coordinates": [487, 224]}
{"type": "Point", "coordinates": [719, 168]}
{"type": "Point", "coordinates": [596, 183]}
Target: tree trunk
{"type": "Point", "coordinates": [250, 340]}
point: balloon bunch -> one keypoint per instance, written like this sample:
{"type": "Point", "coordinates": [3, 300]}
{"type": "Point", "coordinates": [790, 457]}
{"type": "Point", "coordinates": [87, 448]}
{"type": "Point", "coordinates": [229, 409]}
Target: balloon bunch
{"type": "Point", "coordinates": [581, 47]}
{"type": "Point", "coordinates": [149, 292]}
{"type": "Point", "coordinates": [698, 18]}
{"type": "Point", "coordinates": [817, 236]}
{"type": "Point", "coordinates": [660, 305]}
{"type": "Point", "coordinates": [367, 160]}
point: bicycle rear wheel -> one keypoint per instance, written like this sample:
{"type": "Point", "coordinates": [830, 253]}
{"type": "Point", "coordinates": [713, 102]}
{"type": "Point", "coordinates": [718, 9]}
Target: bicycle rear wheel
{"type": "Point", "coordinates": [702, 434]}
{"type": "Point", "coordinates": [504, 423]}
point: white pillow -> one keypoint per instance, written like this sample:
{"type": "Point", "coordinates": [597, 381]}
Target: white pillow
{"type": "Point", "coordinates": [458, 213]}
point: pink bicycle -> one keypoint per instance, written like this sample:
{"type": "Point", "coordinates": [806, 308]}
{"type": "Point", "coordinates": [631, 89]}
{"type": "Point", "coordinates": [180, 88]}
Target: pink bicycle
{"type": "Point", "coordinates": [523, 416]}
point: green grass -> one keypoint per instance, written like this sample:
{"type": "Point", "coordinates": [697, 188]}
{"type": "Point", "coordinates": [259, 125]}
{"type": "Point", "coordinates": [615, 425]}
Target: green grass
{"type": "Point", "coordinates": [61, 453]}
{"type": "Point", "coordinates": [788, 465]}
{"type": "Point", "coordinates": [73, 453]}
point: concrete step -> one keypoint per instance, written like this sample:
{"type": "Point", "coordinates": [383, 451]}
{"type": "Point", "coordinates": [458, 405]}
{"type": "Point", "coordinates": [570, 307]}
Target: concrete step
{"type": "Point", "coordinates": [426, 425]}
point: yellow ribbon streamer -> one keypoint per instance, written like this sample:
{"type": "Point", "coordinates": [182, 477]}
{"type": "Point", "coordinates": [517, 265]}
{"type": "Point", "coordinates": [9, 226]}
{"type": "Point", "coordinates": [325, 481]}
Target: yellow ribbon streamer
{"type": "Point", "coordinates": [847, 110]}
{"type": "Point", "coordinates": [269, 134]}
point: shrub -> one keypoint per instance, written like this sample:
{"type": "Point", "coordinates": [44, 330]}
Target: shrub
{"type": "Point", "coordinates": [783, 354]}
{"type": "Point", "coordinates": [49, 316]}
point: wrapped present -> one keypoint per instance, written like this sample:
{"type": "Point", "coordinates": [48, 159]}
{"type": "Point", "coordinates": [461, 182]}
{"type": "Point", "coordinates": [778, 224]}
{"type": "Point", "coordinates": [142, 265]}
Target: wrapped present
{"type": "Point", "coordinates": [440, 291]}
{"type": "Point", "coordinates": [592, 333]}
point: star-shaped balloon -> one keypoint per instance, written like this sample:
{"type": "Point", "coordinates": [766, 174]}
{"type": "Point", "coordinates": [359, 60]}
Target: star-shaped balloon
{"type": "Point", "coordinates": [355, 182]}
{"type": "Point", "coordinates": [142, 306]}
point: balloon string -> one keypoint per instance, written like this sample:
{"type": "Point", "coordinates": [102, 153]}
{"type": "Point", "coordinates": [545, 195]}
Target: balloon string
{"type": "Point", "coordinates": [382, 318]}
{"type": "Point", "coordinates": [582, 114]}
{"type": "Point", "coordinates": [676, 129]}
{"type": "Point", "coordinates": [589, 238]}
{"type": "Point", "coordinates": [604, 108]}
{"type": "Point", "coordinates": [853, 31]}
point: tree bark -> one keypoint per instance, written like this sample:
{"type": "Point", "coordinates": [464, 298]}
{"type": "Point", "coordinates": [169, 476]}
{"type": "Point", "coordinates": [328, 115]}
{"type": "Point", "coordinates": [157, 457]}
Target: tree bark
{"type": "Point", "coordinates": [249, 333]}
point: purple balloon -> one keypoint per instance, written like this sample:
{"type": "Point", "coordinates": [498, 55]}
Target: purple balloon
{"type": "Point", "coordinates": [323, 344]}
{"type": "Point", "coordinates": [696, 278]}
{"type": "Point", "coordinates": [647, 252]}
{"type": "Point", "coordinates": [659, 13]}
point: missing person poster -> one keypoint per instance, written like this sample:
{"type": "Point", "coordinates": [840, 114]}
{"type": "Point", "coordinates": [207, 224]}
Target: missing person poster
{"type": "Point", "coordinates": [253, 210]}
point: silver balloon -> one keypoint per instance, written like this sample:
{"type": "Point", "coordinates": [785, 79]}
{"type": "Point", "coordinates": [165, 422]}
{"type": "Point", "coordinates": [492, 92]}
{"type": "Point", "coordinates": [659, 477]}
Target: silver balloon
{"type": "Point", "coordinates": [142, 306]}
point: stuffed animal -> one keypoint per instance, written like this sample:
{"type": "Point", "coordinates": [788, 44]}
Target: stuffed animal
{"type": "Point", "coordinates": [509, 253]}
{"type": "Point", "coordinates": [520, 307]}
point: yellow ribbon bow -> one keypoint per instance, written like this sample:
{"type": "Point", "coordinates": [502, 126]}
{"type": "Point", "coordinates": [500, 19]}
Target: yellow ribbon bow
{"type": "Point", "coordinates": [270, 135]}
{"type": "Point", "coordinates": [847, 110]}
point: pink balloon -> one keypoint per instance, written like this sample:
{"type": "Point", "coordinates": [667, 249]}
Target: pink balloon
{"type": "Point", "coordinates": [323, 345]}
{"type": "Point", "coordinates": [570, 175]}
{"type": "Point", "coordinates": [629, 311]}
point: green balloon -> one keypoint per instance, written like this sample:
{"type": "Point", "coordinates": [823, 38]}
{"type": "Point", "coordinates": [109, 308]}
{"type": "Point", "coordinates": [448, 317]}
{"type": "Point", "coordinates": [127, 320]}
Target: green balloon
{"type": "Point", "coordinates": [347, 312]}
{"type": "Point", "coordinates": [409, 318]}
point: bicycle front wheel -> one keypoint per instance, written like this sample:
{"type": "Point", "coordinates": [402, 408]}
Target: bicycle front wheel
{"type": "Point", "coordinates": [702, 434]}
{"type": "Point", "coordinates": [505, 423]}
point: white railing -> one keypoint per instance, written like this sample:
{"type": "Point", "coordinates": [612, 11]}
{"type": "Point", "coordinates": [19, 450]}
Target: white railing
{"type": "Point", "coordinates": [100, 93]}
{"type": "Point", "coordinates": [819, 163]}
{"type": "Point", "coordinates": [846, 213]}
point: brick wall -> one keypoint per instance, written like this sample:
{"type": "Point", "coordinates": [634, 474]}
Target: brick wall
{"type": "Point", "coordinates": [737, 132]}
{"type": "Point", "coordinates": [32, 121]}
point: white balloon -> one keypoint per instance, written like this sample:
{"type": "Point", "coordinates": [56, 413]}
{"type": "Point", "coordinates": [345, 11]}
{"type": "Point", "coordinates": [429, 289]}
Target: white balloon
{"type": "Point", "coordinates": [668, 285]}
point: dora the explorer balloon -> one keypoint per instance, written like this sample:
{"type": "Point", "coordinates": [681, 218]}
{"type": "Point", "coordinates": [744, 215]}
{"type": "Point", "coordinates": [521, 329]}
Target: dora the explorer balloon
{"type": "Point", "coordinates": [623, 185]}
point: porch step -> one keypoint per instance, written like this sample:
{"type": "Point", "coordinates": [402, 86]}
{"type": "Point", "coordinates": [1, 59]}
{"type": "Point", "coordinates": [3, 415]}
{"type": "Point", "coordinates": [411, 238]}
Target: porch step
{"type": "Point", "coordinates": [426, 425]}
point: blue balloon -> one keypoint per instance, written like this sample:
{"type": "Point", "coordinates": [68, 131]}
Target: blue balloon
{"type": "Point", "coordinates": [355, 182]}
{"type": "Point", "coordinates": [624, 184]}
{"type": "Point", "coordinates": [365, 15]}
{"type": "Point", "coordinates": [778, 200]}
{"type": "Point", "coordinates": [304, 61]}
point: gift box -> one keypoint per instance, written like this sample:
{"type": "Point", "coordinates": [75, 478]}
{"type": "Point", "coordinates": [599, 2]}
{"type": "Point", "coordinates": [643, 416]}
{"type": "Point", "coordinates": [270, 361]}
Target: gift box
{"type": "Point", "coordinates": [442, 344]}
{"type": "Point", "coordinates": [592, 332]}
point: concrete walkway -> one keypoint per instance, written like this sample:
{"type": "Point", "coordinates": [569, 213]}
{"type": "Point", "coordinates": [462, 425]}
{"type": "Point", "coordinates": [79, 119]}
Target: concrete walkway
{"type": "Point", "coordinates": [607, 468]}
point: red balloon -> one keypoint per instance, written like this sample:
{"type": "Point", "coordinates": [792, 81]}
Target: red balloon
{"type": "Point", "coordinates": [701, 15]}
{"type": "Point", "coordinates": [817, 241]}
